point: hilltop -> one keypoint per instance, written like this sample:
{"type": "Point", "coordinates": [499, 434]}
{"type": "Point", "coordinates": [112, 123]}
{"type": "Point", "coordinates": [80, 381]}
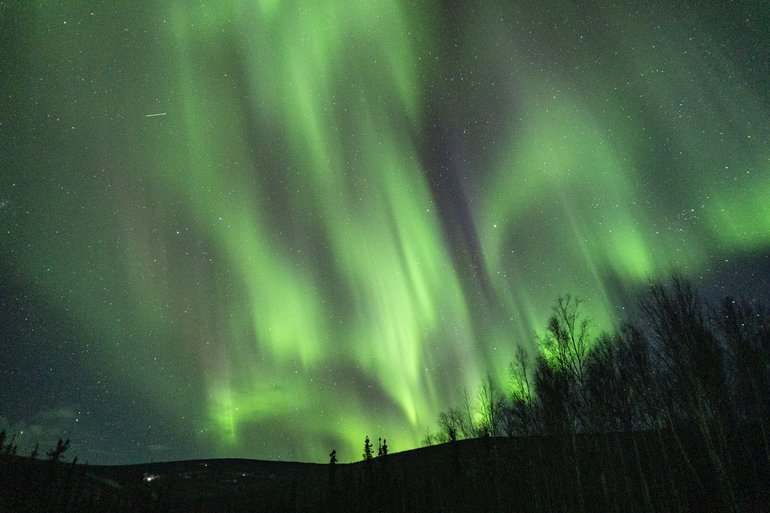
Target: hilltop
{"type": "Point", "coordinates": [650, 471]}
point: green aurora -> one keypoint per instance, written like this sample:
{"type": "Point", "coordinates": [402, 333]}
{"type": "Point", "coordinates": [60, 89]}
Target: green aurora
{"type": "Point", "coordinates": [345, 213]}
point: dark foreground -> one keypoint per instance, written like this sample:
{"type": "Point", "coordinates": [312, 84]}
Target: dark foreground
{"type": "Point", "coordinates": [653, 471]}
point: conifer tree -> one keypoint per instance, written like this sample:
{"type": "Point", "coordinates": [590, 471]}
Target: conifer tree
{"type": "Point", "coordinates": [367, 450]}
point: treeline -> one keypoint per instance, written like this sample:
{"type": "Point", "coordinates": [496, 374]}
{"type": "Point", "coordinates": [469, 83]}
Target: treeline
{"type": "Point", "coordinates": [685, 391]}
{"type": "Point", "coordinates": [32, 485]}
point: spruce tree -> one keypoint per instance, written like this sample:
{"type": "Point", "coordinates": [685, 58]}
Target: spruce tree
{"type": "Point", "coordinates": [367, 450]}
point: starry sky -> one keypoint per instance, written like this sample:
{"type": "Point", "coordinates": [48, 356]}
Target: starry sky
{"type": "Point", "coordinates": [269, 228]}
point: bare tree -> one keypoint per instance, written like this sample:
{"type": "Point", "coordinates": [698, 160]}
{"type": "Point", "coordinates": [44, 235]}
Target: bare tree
{"type": "Point", "coordinates": [55, 454]}
{"type": "Point", "coordinates": [469, 426]}
{"type": "Point", "coordinates": [451, 424]}
{"type": "Point", "coordinates": [518, 414]}
{"type": "Point", "coordinates": [552, 389]}
{"type": "Point", "coordinates": [745, 330]}
{"type": "Point", "coordinates": [489, 407]}
{"type": "Point", "coordinates": [565, 346]}
{"type": "Point", "coordinates": [690, 355]}
{"type": "Point", "coordinates": [429, 438]}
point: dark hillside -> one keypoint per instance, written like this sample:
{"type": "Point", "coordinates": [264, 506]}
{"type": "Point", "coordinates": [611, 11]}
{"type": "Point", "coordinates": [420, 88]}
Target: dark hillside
{"type": "Point", "coordinates": [650, 471]}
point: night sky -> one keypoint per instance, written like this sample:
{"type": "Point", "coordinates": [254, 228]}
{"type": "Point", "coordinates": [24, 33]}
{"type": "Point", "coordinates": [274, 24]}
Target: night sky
{"type": "Point", "coordinates": [269, 228]}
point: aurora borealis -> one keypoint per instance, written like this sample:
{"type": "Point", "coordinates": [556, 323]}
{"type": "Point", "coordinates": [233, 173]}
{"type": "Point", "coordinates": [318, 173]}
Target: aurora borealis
{"type": "Point", "coordinates": [350, 211]}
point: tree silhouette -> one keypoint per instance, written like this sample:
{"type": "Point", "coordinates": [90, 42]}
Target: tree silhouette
{"type": "Point", "coordinates": [9, 448]}
{"type": "Point", "coordinates": [670, 413]}
{"type": "Point", "coordinates": [693, 361]}
{"type": "Point", "coordinates": [552, 389]}
{"type": "Point", "coordinates": [688, 351]}
{"type": "Point", "coordinates": [565, 346]}
{"type": "Point", "coordinates": [490, 407]}
{"type": "Point", "coordinates": [54, 455]}
{"type": "Point", "coordinates": [745, 330]}
{"type": "Point", "coordinates": [430, 438]}
{"type": "Point", "coordinates": [367, 450]}
{"type": "Point", "coordinates": [518, 414]}
{"type": "Point", "coordinates": [450, 422]}
{"type": "Point", "coordinates": [332, 498]}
